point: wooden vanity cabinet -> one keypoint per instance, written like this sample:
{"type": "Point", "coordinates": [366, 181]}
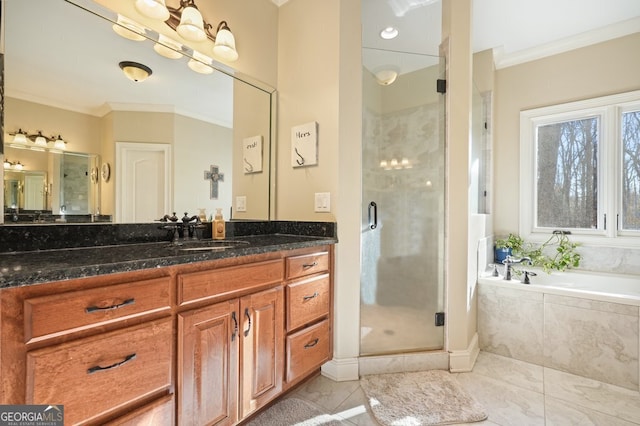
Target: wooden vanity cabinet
{"type": "Point", "coordinates": [230, 354]}
{"type": "Point", "coordinates": [208, 343]}
{"type": "Point", "coordinates": [102, 347]}
{"type": "Point", "coordinates": [309, 299]}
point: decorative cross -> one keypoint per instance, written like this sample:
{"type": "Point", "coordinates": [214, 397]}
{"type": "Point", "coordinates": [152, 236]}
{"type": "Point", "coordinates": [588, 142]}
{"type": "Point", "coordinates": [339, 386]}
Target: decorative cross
{"type": "Point", "coordinates": [214, 176]}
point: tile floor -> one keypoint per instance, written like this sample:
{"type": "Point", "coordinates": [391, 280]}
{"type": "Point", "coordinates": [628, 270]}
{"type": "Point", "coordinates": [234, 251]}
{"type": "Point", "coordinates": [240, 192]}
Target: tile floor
{"type": "Point", "coordinates": [513, 393]}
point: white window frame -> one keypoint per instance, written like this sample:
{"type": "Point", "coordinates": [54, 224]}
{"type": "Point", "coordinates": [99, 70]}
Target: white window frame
{"type": "Point", "coordinates": [609, 109]}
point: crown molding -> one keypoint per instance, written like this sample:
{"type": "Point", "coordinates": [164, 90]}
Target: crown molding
{"type": "Point", "coordinates": [279, 2]}
{"type": "Point", "coordinates": [588, 38]}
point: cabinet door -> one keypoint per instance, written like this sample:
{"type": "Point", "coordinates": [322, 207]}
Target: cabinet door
{"type": "Point", "coordinates": [262, 348]}
{"type": "Point", "coordinates": [208, 365]}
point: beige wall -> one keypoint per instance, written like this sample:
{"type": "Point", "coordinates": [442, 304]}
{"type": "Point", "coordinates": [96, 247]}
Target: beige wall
{"type": "Point", "coordinates": [320, 80]}
{"type": "Point", "coordinates": [198, 145]}
{"type": "Point", "coordinates": [597, 70]}
{"type": "Point", "coordinates": [456, 30]}
{"type": "Point", "coordinates": [79, 130]}
{"type": "Point", "coordinates": [308, 86]}
{"type": "Point", "coordinates": [251, 113]}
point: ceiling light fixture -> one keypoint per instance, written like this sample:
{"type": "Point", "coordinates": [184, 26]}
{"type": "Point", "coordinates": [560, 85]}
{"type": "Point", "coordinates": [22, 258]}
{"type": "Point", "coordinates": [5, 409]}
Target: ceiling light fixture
{"type": "Point", "coordinates": [386, 77]}
{"type": "Point", "coordinates": [37, 141]}
{"type": "Point", "coordinates": [135, 71]}
{"type": "Point", "coordinates": [188, 22]}
{"type": "Point", "coordinates": [389, 33]}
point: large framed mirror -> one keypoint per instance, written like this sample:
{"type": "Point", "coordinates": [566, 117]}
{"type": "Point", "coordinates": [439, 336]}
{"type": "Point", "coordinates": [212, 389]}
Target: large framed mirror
{"type": "Point", "coordinates": [176, 142]}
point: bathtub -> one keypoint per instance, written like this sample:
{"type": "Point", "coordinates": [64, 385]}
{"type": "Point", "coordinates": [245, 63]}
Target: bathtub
{"type": "Point", "coordinates": [614, 288]}
{"type": "Point", "coordinates": [581, 323]}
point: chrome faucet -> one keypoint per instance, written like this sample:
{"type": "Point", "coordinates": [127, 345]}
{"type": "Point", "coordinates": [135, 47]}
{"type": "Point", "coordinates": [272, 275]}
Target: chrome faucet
{"type": "Point", "coordinates": [509, 261]}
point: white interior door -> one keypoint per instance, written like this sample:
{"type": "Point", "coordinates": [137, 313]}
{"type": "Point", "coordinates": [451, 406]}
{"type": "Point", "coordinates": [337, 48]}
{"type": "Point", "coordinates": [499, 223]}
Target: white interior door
{"type": "Point", "coordinates": [143, 182]}
{"type": "Point", "coordinates": [33, 192]}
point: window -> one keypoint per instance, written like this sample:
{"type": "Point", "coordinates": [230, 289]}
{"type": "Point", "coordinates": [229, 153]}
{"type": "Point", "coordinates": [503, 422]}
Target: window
{"type": "Point", "coordinates": [580, 168]}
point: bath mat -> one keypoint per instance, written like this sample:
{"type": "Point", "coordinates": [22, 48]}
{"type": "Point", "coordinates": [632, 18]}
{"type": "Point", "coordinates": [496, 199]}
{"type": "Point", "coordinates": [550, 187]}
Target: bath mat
{"type": "Point", "coordinates": [420, 398]}
{"type": "Point", "coordinates": [293, 411]}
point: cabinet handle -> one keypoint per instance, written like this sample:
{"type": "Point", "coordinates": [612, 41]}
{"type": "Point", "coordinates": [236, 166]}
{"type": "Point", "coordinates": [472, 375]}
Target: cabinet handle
{"type": "Point", "coordinates": [246, 312]}
{"type": "Point", "coordinates": [127, 302]}
{"type": "Point", "coordinates": [112, 366]}
{"type": "Point", "coordinates": [235, 326]}
{"type": "Point", "coordinates": [309, 265]}
{"type": "Point", "coordinates": [314, 295]}
{"type": "Point", "coordinates": [312, 344]}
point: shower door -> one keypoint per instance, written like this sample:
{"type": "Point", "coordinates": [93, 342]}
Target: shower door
{"type": "Point", "coordinates": [402, 282]}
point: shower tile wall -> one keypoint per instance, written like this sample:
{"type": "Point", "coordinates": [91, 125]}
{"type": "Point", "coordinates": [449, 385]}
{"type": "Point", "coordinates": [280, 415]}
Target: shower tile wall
{"type": "Point", "coordinates": [404, 233]}
{"type": "Point", "coordinates": [75, 185]}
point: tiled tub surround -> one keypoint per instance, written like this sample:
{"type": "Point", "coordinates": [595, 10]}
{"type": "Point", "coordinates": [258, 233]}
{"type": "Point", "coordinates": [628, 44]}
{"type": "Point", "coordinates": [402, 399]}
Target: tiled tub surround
{"type": "Point", "coordinates": [40, 253]}
{"type": "Point", "coordinates": [590, 332]}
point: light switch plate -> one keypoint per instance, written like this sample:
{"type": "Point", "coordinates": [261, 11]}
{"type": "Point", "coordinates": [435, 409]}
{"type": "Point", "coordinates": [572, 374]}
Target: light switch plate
{"type": "Point", "coordinates": [241, 203]}
{"type": "Point", "coordinates": [323, 202]}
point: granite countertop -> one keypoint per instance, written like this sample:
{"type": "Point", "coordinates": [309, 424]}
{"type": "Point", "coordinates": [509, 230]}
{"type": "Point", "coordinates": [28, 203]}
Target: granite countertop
{"type": "Point", "coordinates": [32, 267]}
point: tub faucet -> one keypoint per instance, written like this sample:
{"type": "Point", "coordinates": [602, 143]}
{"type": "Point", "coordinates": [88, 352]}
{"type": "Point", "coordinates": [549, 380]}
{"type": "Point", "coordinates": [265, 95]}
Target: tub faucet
{"type": "Point", "coordinates": [509, 261]}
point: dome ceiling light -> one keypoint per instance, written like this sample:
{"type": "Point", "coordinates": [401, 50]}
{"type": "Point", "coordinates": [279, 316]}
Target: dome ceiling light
{"type": "Point", "coordinates": [135, 71]}
{"type": "Point", "coordinates": [389, 33]}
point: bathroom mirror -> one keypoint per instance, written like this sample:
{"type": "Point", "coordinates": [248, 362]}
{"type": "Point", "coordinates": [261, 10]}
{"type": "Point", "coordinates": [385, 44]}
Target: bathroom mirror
{"type": "Point", "coordinates": [62, 77]}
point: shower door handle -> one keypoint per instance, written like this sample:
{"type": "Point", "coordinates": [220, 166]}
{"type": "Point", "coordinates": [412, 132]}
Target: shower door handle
{"type": "Point", "coordinates": [373, 206]}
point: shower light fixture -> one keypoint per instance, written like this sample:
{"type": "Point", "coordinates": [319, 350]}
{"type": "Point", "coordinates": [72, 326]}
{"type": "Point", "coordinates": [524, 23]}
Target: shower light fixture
{"type": "Point", "coordinates": [135, 71]}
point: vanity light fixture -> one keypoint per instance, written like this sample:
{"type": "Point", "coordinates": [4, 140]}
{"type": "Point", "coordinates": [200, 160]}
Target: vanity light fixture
{"type": "Point", "coordinates": [128, 29]}
{"type": "Point", "coordinates": [40, 140]}
{"type": "Point", "coordinates": [59, 143]}
{"type": "Point", "coordinates": [188, 22]}
{"type": "Point", "coordinates": [37, 141]}
{"type": "Point", "coordinates": [154, 9]}
{"type": "Point", "coordinates": [135, 71]}
{"type": "Point", "coordinates": [168, 48]}
{"type": "Point", "coordinates": [19, 137]}
{"type": "Point", "coordinates": [200, 63]}
{"type": "Point", "coordinates": [8, 165]}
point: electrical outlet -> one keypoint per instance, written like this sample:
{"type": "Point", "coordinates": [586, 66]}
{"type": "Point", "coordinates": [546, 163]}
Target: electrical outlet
{"type": "Point", "coordinates": [323, 202]}
{"type": "Point", "coordinates": [241, 203]}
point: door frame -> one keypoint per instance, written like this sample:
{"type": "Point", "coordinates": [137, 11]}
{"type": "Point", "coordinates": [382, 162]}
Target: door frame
{"type": "Point", "coordinates": [122, 151]}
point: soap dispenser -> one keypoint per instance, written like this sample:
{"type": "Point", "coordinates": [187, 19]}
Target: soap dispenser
{"type": "Point", "coordinates": [217, 230]}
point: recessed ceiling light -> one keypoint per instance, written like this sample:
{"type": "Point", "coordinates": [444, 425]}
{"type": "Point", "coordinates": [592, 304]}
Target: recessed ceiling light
{"type": "Point", "coordinates": [389, 33]}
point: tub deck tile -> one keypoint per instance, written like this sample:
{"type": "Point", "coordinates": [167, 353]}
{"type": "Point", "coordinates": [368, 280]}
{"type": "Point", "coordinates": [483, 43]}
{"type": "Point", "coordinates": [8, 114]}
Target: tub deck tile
{"type": "Point", "coordinates": [594, 344]}
{"type": "Point", "coordinates": [593, 395]}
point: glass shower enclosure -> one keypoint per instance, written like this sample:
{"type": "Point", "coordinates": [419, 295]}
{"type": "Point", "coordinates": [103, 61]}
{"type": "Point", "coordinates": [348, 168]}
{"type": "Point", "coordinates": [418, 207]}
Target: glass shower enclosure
{"type": "Point", "coordinates": [403, 166]}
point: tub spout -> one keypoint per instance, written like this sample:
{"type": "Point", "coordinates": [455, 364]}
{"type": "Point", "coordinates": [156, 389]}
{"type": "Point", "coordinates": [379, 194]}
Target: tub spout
{"type": "Point", "coordinates": [510, 261]}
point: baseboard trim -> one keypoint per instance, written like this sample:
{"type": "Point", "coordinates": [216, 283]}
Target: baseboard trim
{"type": "Point", "coordinates": [463, 361]}
{"type": "Point", "coordinates": [341, 369]}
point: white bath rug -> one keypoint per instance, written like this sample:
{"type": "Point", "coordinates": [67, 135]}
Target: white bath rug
{"type": "Point", "coordinates": [293, 411]}
{"type": "Point", "coordinates": [420, 398]}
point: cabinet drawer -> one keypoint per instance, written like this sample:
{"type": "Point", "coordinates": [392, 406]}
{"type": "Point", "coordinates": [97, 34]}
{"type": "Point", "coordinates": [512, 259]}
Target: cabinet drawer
{"type": "Point", "coordinates": [299, 266]}
{"type": "Point", "coordinates": [66, 312]}
{"type": "Point", "coordinates": [223, 283]}
{"type": "Point", "coordinates": [307, 300]}
{"type": "Point", "coordinates": [307, 350]}
{"type": "Point", "coordinates": [95, 375]}
{"type": "Point", "coordinates": [159, 412]}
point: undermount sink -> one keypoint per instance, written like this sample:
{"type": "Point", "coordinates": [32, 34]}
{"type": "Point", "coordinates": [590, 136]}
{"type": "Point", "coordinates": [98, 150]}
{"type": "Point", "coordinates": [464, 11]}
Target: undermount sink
{"type": "Point", "coordinates": [207, 245]}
